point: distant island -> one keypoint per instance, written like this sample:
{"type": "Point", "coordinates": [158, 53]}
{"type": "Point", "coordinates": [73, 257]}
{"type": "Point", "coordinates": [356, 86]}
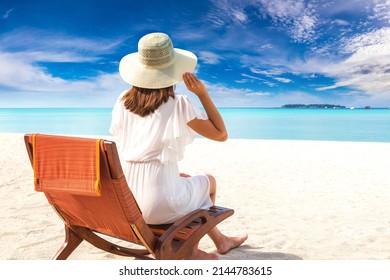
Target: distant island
{"type": "Point", "coordinates": [313, 106]}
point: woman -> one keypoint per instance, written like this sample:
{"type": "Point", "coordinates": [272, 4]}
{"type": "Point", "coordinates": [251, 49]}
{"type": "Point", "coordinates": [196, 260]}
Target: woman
{"type": "Point", "coordinates": [153, 125]}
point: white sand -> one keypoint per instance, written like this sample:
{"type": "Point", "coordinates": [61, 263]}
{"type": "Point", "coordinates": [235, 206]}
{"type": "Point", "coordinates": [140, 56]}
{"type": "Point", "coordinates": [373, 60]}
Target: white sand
{"type": "Point", "coordinates": [296, 200]}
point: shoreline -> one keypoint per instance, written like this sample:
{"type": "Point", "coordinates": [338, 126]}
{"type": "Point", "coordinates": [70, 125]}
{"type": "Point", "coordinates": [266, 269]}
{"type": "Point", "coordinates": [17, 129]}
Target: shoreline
{"type": "Point", "coordinates": [296, 199]}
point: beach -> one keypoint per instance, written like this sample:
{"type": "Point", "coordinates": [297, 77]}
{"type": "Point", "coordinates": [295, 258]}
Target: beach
{"type": "Point", "coordinates": [297, 200]}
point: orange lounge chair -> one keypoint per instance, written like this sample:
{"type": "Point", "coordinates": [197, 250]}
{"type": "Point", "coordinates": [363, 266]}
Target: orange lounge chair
{"type": "Point", "coordinates": [83, 181]}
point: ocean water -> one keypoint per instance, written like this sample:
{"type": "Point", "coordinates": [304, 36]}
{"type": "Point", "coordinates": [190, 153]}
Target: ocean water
{"type": "Point", "coordinates": [362, 125]}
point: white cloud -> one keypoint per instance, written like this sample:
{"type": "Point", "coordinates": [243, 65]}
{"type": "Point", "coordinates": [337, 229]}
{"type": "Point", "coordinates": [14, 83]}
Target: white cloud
{"type": "Point", "coordinates": [7, 13]}
{"type": "Point", "coordinates": [336, 85]}
{"type": "Point", "coordinates": [109, 82]}
{"type": "Point", "coordinates": [30, 39]}
{"type": "Point", "coordinates": [368, 67]}
{"type": "Point", "coordinates": [209, 57]}
{"type": "Point", "coordinates": [283, 80]}
{"type": "Point", "coordinates": [270, 84]}
{"type": "Point", "coordinates": [382, 10]}
{"type": "Point", "coordinates": [242, 81]}
{"type": "Point", "coordinates": [222, 91]}
{"type": "Point", "coordinates": [53, 56]}
{"type": "Point", "coordinates": [297, 17]}
{"type": "Point", "coordinates": [186, 34]}
{"type": "Point", "coordinates": [268, 73]}
{"type": "Point", "coordinates": [265, 47]}
{"type": "Point", "coordinates": [341, 22]}
{"type": "Point", "coordinates": [252, 77]}
{"type": "Point", "coordinates": [272, 73]}
{"type": "Point", "coordinates": [22, 51]}
{"type": "Point", "coordinates": [283, 9]}
{"type": "Point", "coordinates": [19, 75]}
{"type": "Point", "coordinates": [379, 37]}
{"type": "Point", "coordinates": [259, 93]}
{"type": "Point", "coordinates": [226, 12]}
{"type": "Point", "coordinates": [240, 16]}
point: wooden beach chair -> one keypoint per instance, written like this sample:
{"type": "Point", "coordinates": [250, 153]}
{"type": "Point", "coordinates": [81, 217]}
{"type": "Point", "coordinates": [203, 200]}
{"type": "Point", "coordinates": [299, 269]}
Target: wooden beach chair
{"type": "Point", "coordinates": [83, 181]}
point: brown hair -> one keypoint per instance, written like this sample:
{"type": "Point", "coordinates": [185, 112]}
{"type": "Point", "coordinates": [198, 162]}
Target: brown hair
{"type": "Point", "coordinates": [144, 101]}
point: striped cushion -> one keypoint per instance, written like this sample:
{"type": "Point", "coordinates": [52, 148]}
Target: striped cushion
{"type": "Point", "coordinates": [66, 164]}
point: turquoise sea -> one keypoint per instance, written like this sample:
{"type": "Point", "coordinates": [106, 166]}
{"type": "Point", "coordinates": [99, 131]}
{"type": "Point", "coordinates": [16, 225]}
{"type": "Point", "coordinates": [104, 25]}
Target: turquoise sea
{"type": "Point", "coordinates": [362, 125]}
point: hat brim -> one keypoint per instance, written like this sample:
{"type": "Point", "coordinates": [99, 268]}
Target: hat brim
{"type": "Point", "coordinates": [135, 73]}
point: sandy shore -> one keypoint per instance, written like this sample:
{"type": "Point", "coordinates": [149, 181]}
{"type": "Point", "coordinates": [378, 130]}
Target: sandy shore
{"type": "Point", "coordinates": [296, 200]}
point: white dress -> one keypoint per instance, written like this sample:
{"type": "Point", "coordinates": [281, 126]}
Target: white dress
{"type": "Point", "coordinates": [149, 148]}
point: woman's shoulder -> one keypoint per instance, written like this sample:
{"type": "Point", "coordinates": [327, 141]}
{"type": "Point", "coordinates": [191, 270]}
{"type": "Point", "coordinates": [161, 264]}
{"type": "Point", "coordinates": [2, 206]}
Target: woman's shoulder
{"type": "Point", "coordinates": [120, 96]}
{"type": "Point", "coordinates": [178, 101]}
{"type": "Point", "coordinates": [182, 99]}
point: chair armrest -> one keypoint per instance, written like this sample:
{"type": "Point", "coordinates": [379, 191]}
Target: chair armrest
{"type": "Point", "coordinates": [184, 222]}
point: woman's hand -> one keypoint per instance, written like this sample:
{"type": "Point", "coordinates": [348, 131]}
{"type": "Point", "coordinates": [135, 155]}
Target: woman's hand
{"type": "Point", "coordinates": [194, 85]}
{"type": "Point", "coordinates": [214, 127]}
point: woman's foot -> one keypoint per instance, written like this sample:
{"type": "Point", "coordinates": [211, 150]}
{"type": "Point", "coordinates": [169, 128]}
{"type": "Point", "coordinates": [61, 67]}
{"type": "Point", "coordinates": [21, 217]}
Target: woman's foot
{"type": "Point", "coordinates": [202, 255]}
{"type": "Point", "coordinates": [230, 243]}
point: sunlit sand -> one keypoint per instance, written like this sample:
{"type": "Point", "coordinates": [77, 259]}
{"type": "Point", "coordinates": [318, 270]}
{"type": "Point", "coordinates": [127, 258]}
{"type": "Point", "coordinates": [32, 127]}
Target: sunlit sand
{"type": "Point", "coordinates": [295, 199]}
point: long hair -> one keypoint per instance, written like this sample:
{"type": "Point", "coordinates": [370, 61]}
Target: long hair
{"type": "Point", "coordinates": [144, 101]}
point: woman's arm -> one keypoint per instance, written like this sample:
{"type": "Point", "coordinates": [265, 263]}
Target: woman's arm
{"type": "Point", "coordinates": [213, 128]}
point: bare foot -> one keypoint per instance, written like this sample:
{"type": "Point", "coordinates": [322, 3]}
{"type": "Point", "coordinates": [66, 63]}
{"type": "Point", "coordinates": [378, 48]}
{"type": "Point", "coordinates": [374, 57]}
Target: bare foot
{"type": "Point", "coordinates": [202, 255]}
{"type": "Point", "coordinates": [231, 243]}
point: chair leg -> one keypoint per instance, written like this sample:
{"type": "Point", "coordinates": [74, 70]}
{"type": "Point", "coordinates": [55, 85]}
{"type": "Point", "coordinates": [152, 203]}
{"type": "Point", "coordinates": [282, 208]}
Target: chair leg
{"type": "Point", "coordinates": [72, 240]}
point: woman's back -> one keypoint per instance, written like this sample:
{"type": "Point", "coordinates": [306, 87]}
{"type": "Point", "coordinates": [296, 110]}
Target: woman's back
{"type": "Point", "coordinates": [161, 135]}
{"type": "Point", "coordinates": [150, 147]}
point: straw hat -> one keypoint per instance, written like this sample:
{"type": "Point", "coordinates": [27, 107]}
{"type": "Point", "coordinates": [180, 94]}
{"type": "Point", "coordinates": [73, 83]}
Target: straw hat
{"type": "Point", "coordinates": [156, 64]}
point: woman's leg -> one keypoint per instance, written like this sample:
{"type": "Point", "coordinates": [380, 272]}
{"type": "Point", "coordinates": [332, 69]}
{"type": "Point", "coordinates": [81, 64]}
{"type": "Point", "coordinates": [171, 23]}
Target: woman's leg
{"type": "Point", "coordinates": [201, 255]}
{"type": "Point", "coordinates": [222, 242]}
{"type": "Point", "coordinates": [197, 254]}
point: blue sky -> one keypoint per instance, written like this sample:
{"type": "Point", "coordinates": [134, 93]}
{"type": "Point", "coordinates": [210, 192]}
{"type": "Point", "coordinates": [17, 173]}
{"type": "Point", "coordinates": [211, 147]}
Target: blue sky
{"type": "Point", "coordinates": [257, 53]}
